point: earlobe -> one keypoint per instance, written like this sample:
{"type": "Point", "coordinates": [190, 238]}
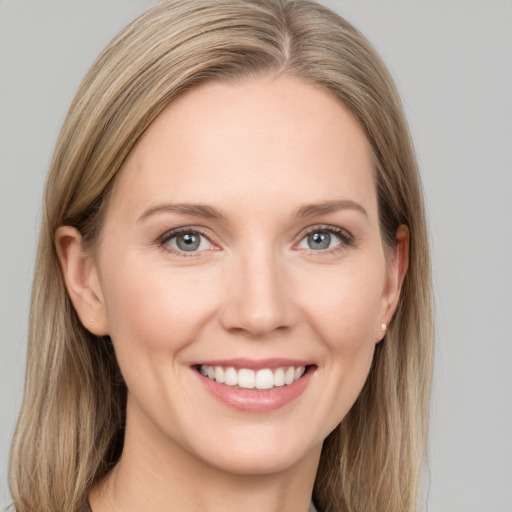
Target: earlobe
{"type": "Point", "coordinates": [81, 279]}
{"type": "Point", "coordinates": [397, 270]}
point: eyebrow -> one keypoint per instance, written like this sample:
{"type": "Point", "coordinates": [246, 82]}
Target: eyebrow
{"type": "Point", "coordinates": [196, 210]}
{"type": "Point", "coordinates": [310, 210]}
{"type": "Point", "coordinates": [208, 212]}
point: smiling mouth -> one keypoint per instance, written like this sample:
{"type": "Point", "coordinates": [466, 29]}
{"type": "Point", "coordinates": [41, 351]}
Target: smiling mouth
{"type": "Point", "coordinates": [246, 378]}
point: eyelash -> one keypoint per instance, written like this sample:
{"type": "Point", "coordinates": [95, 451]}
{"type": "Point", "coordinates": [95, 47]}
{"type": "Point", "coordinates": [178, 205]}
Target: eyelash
{"type": "Point", "coordinates": [165, 238]}
{"type": "Point", "coordinates": [346, 239]}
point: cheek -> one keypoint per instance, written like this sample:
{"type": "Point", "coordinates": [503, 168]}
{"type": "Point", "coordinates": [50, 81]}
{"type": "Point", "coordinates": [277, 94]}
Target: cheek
{"type": "Point", "coordinates": [343, 305]}
{"type": "Point", "coordinates": [157, 311]}
{"type": "Point", "coordinates": [342, 311]}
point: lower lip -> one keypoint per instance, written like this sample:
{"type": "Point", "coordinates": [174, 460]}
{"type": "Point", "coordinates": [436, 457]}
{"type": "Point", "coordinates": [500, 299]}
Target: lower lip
{"type": "Point", "coordinates": [254, 400]}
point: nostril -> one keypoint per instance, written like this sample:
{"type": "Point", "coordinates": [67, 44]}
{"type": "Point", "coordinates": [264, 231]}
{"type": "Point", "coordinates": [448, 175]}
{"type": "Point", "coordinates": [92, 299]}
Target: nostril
{"type": "Point", "coordinates": [257, 303]}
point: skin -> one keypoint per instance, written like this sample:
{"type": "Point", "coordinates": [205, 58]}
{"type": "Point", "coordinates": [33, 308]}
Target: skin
{"type": "Point", "coordinates": [256, 152]}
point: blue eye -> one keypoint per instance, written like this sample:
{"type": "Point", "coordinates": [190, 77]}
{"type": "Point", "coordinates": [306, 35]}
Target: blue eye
{"type": "Point", "coordinates": [322, 239]}
{"type": "Point", "coordinates": [187, 241]}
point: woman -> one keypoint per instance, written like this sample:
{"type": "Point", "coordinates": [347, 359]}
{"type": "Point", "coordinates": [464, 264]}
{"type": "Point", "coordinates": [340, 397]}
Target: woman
{"type": "Point", "coordinates": [231, 304]}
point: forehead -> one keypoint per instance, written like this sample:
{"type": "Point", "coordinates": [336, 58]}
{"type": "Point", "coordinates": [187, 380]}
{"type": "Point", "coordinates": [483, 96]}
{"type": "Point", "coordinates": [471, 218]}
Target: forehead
{"type": "Point", "coordinates": [257, 138]}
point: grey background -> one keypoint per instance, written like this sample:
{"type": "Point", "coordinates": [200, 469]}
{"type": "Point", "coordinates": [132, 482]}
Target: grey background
{"type": "Point", "coordinates": [452, 61]}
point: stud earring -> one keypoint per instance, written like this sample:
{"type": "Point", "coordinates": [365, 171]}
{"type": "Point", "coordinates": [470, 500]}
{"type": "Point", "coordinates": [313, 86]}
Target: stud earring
{"type": "Point", "coordinates": [384, 327]}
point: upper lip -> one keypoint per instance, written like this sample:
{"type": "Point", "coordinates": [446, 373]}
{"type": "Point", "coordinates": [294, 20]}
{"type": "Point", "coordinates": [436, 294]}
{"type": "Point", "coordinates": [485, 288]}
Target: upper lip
{"type": "Point", "coordinates": [255, 364]}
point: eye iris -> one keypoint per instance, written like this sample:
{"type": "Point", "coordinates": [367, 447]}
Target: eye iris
{"type": "Point", "coordinates": [188, 242]}
{"type": "Point", "coordinates": [319, 240]}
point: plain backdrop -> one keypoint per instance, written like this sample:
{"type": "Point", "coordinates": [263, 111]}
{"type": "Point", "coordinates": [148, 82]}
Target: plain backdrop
{"type": "Point", "coordinates": [452, 61]}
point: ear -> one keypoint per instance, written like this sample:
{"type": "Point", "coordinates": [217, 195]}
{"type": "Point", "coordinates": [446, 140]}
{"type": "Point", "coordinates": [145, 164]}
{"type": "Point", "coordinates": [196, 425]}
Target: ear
{"type": "Point", "coordinates": [397, 268]}
{"type": "Point", "coordinates": [81, 278]}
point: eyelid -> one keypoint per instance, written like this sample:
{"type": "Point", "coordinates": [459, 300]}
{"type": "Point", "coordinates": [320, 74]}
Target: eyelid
{"type": "Point", "coordinates": [172, 233]}
{"type": "Point", "coordinates": [347, 238]}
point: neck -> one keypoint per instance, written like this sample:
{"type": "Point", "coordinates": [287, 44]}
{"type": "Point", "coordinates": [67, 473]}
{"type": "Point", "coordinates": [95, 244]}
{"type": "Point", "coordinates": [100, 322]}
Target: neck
{"type": "Point", "coordinates": [156, 473]}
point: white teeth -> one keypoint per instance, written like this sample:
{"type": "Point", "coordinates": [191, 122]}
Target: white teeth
{"type": "Point", "coordinates": [264, 379]}
{"type": "Point", "coordinates": [250, 379]}
{"type": "Point", "coordinates": [279, 377]}
{"type": "Point", "coordinates": [231, 377]}
{"type": "Point", "coordinates": [246, 378]}
{"type": "Point", "coordinates": [219, 374]}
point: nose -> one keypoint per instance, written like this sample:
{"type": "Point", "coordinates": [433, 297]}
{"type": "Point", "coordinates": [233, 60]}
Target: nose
{"type": "Point", "coordinates": [258, 298]}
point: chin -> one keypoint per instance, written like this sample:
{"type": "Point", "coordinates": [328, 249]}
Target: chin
{"type": "Point", "coordinates": [251, 464]}
{"type": "Point", "coordinates": [260, 454]}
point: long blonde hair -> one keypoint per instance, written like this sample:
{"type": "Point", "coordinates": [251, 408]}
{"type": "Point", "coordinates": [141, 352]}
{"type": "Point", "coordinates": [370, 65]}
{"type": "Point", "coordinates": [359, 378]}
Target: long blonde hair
{"type": "Point", "coordinates": [70, 429]}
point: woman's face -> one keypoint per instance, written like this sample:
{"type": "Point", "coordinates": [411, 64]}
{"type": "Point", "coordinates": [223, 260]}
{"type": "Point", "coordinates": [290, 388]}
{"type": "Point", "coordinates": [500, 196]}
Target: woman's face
{"type": "Point", "coordinates": [242, 240]}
